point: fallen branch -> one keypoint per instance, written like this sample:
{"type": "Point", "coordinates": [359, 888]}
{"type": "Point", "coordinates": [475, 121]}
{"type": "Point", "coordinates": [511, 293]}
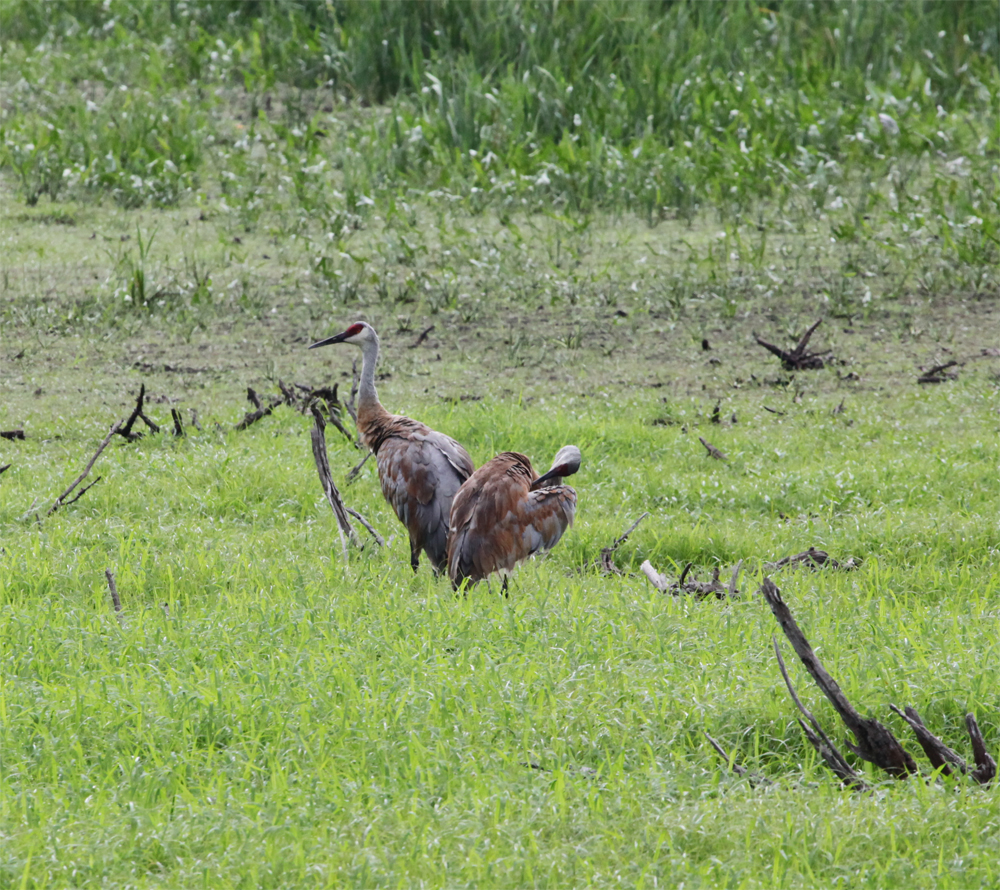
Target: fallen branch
{"type": "Point", "coordinates": [353, 474]}
{"type": "Point", "coordinates": [11, 434]}
{"type": "Point", "coordinates": [326, 479]}
{"type": "Point", "coordinates": [875, 742]}
{"type": "Point", "coordinates": [739, 769]}
{"type": "Point", "coordinates": [194, 420]}
{"type": "Point", "coordinates": [253, 416]}
{"type": "Point", "coordinates": [371, 529]}
{"type": "Point", "coordinates": [813, 559]}
{"type": "Point", "coordinates": [422, 337]}
{"type": "Point", "coordinates": [700, 589]}
{"type": "Point", "coordinates": [986, 766]}
{"type": "Point", "coordinates": [82, 492]}
{"type": "Point", "coordinates": [937, 375]}
{"type": "Point", "coordinates": [4, 468]}
{"type": "Point", "coordinates": [178, 426]}
{"type": "Point", "coordinates": [138, 414]}
{"type": "Point", "coordinates": [939, 754]}
{"type": "Point", "coordinates": [114, 591]}
{"type": "Point", "coordinates": [712, 450]}
{"type": "Point", "coordinates": [59, 500]}
{"type": "Point", "coordinates": [798, 359]}
{"type": "Point", "coordinates": [604, 562]}
{"type": "Point", "coordinates": [819, 739]}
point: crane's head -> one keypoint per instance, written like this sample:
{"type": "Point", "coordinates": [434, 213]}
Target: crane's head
{"type": "Point", "coordinates": [358, 333]}
{"type": "Point", "coordinates": [566, 463]}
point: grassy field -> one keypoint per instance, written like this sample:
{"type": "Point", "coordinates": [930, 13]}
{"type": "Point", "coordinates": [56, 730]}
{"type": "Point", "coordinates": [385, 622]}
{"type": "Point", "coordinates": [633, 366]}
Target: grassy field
{"type": "Point", "coordinates": [191, 193]}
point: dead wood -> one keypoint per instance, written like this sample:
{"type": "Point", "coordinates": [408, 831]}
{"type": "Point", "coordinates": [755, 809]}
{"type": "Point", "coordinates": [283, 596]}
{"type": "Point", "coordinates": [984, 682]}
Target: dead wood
{"type": "Point", "coordinates": [875, 742]}
{"type": "Point", "coordinates": [798, 359]}
{"type": "Point", "coordinates": [813, 558]}
{"type": "Point", "coordinates": [817, 738]}
{"type": "Point", "coordinates": [735, 765]}
{"type": "Point", "coordinates": [774, 411]}
{"type": "Point", "coordinates": [937, 375]}
{"type": "Point", "coordinates": [371, 529]}
{"type": "Point", "coordinates": [604, 562]}
{"type": "Point", "coordinates": [986, 767]}
{"type": "Point", "coordinates": [62, 498]}
{"type": "Point", "coordinates": [113, 588]}
{"type": "Point", "coordinates": [4, 468]}
{"type": "Point", "coordinates": [712, 450]}
{"type": "Point", "coordinates": [138, 414]}
{"type": "Point", "coordinates": [939, 754]}
{"type": "Point", "coordinates": [260, 411]}
{"type": "Point", "coordinates": [82, 492]}
{"type": "Point", "coordinates": [422, 337]}
{"type": "Point", "coordinates": [194, 420]}
{"type": "Point", "coordinates": [716, 413]}
{"type": "Point", "coordinates": [353, 474]}
{"type": "Point", "coordinates": [326, 479]}
{"type": "Point", "coordinates": [178, 426]}
{"type": "Point", "coordinates": [700, 589]}
{"type": "Point", "coordinates": [11, 434]}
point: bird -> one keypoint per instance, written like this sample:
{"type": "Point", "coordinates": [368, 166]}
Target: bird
{"type": "Point", "coordinates": [420, 469]}
{"type": "Point", "coordinates": [506, 513]}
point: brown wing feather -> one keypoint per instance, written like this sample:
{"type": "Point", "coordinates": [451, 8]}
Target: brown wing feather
{"type": "Point", "coordinates": [498, 522]}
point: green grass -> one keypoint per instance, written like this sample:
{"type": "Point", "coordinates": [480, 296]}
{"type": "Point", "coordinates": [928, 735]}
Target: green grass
{"type": "Point", "coordinates": [193, 192]}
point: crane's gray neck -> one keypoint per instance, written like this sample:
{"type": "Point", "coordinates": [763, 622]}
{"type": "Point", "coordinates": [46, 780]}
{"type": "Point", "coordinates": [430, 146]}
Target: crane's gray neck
{"type": "Point", "coordinates": [369, 357]}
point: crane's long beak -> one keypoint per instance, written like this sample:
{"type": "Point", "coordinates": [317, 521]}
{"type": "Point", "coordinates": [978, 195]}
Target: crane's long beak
{"type": "Point", "coordinates": [567, 462]}
{"type": "Point", "coordinates": [336, 338]}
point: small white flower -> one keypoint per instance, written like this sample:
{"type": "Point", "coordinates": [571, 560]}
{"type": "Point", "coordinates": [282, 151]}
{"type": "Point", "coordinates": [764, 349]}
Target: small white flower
{"type": "Point", "coordinates": [91, 105]}
{"type": "Point", "coordinates": [577, 120]}
{"type": "Point", "coordinates": [543, 179]}
{"type": "Point", "coordinates": [888, 124]}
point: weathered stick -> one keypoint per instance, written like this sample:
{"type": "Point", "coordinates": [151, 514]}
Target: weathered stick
{"type": "Point", "coordinates": [114, 590]}
{"type": "Point", "coordinates": [939, 754]}
{"type": "Point", "coordinates": [137, 414]}
{"type": "Point", "coordinates": [11, 434]}
{"type": "Point", "coordinates": [819, 739]}
{"type": "Point", "coordinates": [326, 479]}
{"type": "Point", "coordinates": [4, 468]}
{"type": "Point", "coordinates": [59, 500]}
{"type": "Point", "coordinates": [422, 337]}
{"type": "Point", "coordinates": [253, 416]}
{"type": "Point", "coordinates": [660, 582]}
{"type": "Point", "coordinates": [986, 767]}
{"type": "Point", "coordinates": [813, 559]}
{"type": "Point", "coordinates": [875, 742]}
{"type": "Point", "coordinates": [178, 426]}
{"type": "Point", "coordinates": [604, 562]}
{"type": "Point", "coordinates": [371, 529]}
{"type": "Point", "coordinates": [712, 450]}
{"type": "Point", "coordinates": [936, 375]}
{"type": "Point", "coordinates": [798, 359]}
{"type": "Point", "coordinates": [353, 474]}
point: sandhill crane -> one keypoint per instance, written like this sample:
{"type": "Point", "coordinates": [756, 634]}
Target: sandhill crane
{"type": "Point", "coordinates": [506, 512]}
{"type": "Point", "coordinates": [420, 469]}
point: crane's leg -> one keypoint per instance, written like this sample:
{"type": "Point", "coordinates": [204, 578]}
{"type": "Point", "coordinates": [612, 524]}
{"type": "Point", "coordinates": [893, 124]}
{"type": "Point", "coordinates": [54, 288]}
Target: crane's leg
{"type": "Point", "coordinates": [503, 587]}
{"type": "Point", "coordinates": [414, 555]}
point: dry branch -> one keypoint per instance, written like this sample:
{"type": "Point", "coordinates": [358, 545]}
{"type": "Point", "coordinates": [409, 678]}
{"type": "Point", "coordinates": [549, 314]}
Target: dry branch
{"type": "Point", "coordinates": [712, 450]}
{"type": "Point", "coordinates": [59, 500]}
{"type": "Point", "coordinates": [700, 589]}
{"type": "Point", "coordinates": [178, 426]}
{"type": "Point", "coordinates": [326, 479]}
{"type": "Point", "coordinates": [813, 558]}
{"type": "Point", "coordinates": [253, 416]}
{"type": "Point", "coordinates": [798, 359]}
{"type": "Point", "coordinates": [138, 414]}
{"type": "Point", "coordinates": [113, 588]}
{"type": "Point", "coordinates": [11, 434]}
{"type": "Point", "coordinates": [353, 474]}
{"type": "Point", "coordinates": [371, 529]}
{"type": "Point", "coordinates": [937, 375]}
{"type": "Point", "coordinates": [819, 739]}
{"type": "Point", "coordinates": [939, 754]}
{"type": "Point", "coordinates": [422, 337]}
{"type": "Point", "coordinates": [604, 562]}
{"type": "Point", "coordinates": [986, 767]}
{"type": "Point", "coordinates": [875, 742]}
{"type": "Point", "coordinates": [4, 468]}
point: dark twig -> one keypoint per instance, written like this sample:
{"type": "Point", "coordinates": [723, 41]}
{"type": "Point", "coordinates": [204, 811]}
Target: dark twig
{"type": "Point", "coordinates": [937, 375]}
{"type": "Point", "coordinates": [178, 426]}
{"type": "Point", "coordinates": [774, 411]}
{"type": "Point", "coordinates": [11, 434]}
{"type": "Point", "coordinates": [939, 754]}
{"type": "Point", "coordinates": [4, 468]}
{"type": "Point", "coordinates": [194, 420]}
{"type": "Point", "coordinates": [326, 479]}
{"type": "Point", "coordinates": [605, 562]}
{"type": "Point", "coordinates": [114, 590]}
{"type": "Point", "coordinates": [138, 414]}
{"type": "Point", "coordinates": [371, 529]}
{"type": "Point", "coordinates": [735, 766]}
{"type": "Point", "coordinates": [82, 492]}
{"type": "Point", "coordinates": [712, 450]}
{"type": "Point", "coordinates": [813, 559]}
{"type": "Point", "coordinates": [986, 767]}
{"type": "Point", "coordinates": [422, 337]}
{"type": "Point", "coordinates": [684, 574]}
{"type": "Point", "coordinates": [59, 500]}
{"type": "Point", "coordinates": [798, 359]}
{"type": "Point", "coordinates": [875, 742]}
{"type": "Point", "coordinates": [353, 474]}
{"type": "Point", "coordinates": [819, 739]}
{"type": "Point", "coordinates": [699, 589]}
{"type": "Point", "coordinates": [253, 416]}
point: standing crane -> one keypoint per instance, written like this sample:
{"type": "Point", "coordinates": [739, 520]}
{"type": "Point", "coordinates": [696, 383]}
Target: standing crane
{"type": "Point", "coordinates": [506, 513]}
{"type": "Point", "coordinates": [420, 469]}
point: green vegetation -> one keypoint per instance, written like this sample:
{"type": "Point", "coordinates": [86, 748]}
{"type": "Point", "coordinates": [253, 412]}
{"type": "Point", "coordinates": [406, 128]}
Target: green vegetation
{"type": "Point", "coordinates": [575, 195]}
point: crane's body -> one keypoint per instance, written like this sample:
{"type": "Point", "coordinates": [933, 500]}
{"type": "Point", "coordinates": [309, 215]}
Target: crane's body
{"type": "Point", "coordinates": [420, 469]}
{"type": "Point", "coordinates": [505, 513]}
